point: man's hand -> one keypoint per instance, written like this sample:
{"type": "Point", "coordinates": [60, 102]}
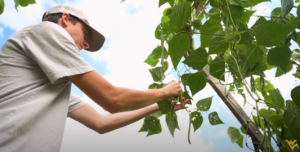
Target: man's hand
{"type": "Point", "coordinates": [173, 89]}
{"type": "Point", "coordinates": [178, 106]}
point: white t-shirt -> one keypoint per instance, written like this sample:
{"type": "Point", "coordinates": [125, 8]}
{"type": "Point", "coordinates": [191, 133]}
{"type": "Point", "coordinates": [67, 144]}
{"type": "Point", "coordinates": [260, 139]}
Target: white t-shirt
{"type": "Point", "coordinates": [35, 95]}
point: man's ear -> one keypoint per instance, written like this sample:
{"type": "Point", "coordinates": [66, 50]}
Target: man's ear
{"type": "Point", "coordinates": [65, 19]}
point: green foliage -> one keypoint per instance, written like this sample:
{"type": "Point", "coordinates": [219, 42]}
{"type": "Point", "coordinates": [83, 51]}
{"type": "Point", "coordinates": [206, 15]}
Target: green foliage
{"type": "Point", "coordinates": [279, 72]}
{"type": "Point", "coordinates": [207, 31]}
{"type": "Point", "coordinates": [235, 136]}
{"type": "Point", "coordinates": [204, 104]}
{"type": "Point", "coordinates": [198, 59]}
{"type": "Point", "coordinates": [295, 94]}
{"type": "Point", "coordinates": [18, 3]}
{"type": "Point", "coordinates": [2, 5]}
{"type": "Point", "coordinates": [164, 106]}
{"type": "Point", "coordinates": [162, 28]}
{"type": "Point", "coordinates": [292, 120]}
{"type": "Point", "coordinates": [161, 2]}
{"type": "Point", "coordinates": [253, 54]}
{"type": "Point", "coordinates": [298, 12]}
{"type": "Point", "coordinates": [214, 119]}
{"type": "Point", "coordinates": [153, 58]}
{"type": "Point", "coordinates": [151, 125]}
{"type": "Point", "coordinates": [277, 98]}
{"type": "Point", "coordinates": [280, 56]}
{"type": "Point", "coordinates": [266, 36]}
{"type": "Point", "coordinates": [172, 123]}
{"type": "Point", "coordinates": [180, 16]}
{"type": "Point", "coordinates": [238, 14]}
{"type": "Point", "coordinates": [195, 81]}
{"type": "Point", "coordinates": [286, 7]}
{"type": "Point", "coordinates": [157, 74]}
{"type": "Point", "coordinates": [178, 46]}
{"type": "Point", "coordinates": [197, 120]}
{"type": "Point", "coordinates": [218, 43]}
{"type": "Point", "coordinates": [23, 3]}
{"type": "Point", "coordinates": [228, 45]}
{"type": "Point", "coordinates": [217, 68]}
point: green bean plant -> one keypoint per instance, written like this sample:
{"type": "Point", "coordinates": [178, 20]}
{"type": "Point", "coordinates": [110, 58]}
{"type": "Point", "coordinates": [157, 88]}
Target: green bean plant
{"type": "Point", "coordinates": [229, 46]}
{"type": "Point", "coordinates": [18, 3]}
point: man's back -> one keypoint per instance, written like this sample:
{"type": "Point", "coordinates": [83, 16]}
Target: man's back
{"type": "Point", "coordinates": [34, 90]}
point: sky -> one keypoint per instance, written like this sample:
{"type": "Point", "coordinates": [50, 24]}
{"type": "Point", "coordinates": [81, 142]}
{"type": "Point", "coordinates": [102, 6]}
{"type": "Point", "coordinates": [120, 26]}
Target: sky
{"type": "Point", "coordinates": [129, 31]}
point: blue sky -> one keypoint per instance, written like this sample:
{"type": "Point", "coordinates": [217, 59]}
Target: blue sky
{"type": "Point", "coordinates": [129, 30]}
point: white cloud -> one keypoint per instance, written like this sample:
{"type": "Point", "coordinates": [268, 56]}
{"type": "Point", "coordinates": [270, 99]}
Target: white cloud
{"type": "Point", "coordinates": [222, 133]}
{"type": "Point", "coordinates": [1, 32]}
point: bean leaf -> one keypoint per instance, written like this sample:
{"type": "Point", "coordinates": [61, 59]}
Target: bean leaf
{"type": "Point", "coordinates": [2, 6]}
{"type": "Point", "coordinates": [197, 59]}
{"type": "Point", "coordinates": [295, 94]}
{"type": "Point", "coordinates": [234, 134]}
{"type": "Point", "coordinates": [207, 30]}
{"type": "Point", "coordinates": [204, 104]}
{"type": "Point", "coordinates": [280, 56]}
{"type": "Point", "coordinates": [152, 59]}
{"type": "Point", "coordinates": [164, 106]}
{"type": "Point", "coordinates": [162, 2]}
{"type": "Point", "coordinates": [217, 68]}
{"type": "Point", "coordinates": [286, 7]}
{"type": "Point", "coordinates": [180, 16]}
{"type": "Point", "coordinates": [270, 33]}
{"type": "Point", "coordinates": [253, 54]}
{"type": "Point", "coordinates": [172, 123]}
{"type": "Point", "coordinates": [162, 28]}
{"type": "Point", "coordinates": [195, 81]}
{"type": "Point", "coordinates": [197, 120]}
{"type": "Point", "coordinates": [292, 121]}
{"type": "Point", "coordinates": [23, 3]}
{"type": "Point", "coordinates": [157, 74]}
{"type": "Point", "coordinates": [218, 43]}
{"type": "Point", "coordinates": [151, 125]}
{"type": "Point", "coordinates": [178, 46]}
{"type": "Point", "coordinates": [277, 98]}
{"type": "Point", "coordinates": [214, 119]}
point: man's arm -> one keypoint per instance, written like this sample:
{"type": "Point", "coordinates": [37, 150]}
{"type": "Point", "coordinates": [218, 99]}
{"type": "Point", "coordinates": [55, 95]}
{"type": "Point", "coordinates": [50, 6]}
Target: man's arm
{"type": "Point", "coordinates": [116, 99]}
{"type": "Point", "coordinates": [89, 117]}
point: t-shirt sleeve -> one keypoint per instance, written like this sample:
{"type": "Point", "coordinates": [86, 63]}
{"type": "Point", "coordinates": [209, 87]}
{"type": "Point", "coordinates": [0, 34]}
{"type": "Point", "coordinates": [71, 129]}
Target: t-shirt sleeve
{"type": "Point", "coordinates": [54, 50]}
{"type": "Point", "coordinates": [75, 102]}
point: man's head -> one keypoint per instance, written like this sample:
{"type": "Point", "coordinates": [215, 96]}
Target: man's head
{"type": "Point", "coordinates": [77, 25]}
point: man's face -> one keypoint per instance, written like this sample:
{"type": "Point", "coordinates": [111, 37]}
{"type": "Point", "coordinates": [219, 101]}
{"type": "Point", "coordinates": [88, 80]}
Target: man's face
{"type": "Point", "coordinates": [78, 32]}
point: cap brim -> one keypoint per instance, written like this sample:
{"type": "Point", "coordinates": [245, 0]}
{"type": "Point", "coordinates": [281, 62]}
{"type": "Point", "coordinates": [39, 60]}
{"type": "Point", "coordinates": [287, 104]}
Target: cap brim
{"type": "Point", "coordinates": [95, 40]}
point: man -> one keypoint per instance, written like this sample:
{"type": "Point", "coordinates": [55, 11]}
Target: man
{"type": "Point", "coordinates": [38, 65]}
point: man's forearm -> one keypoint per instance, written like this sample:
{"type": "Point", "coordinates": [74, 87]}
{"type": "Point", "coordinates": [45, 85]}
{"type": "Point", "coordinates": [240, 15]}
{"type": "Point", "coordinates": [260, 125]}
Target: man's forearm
{"type": "Point", "coordinates": [129, 99]}
{"type": "Point", "coordinates": [111, 122]}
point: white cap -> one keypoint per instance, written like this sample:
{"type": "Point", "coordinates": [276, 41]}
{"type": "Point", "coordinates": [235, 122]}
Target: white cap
{"type": "Point", "coordinates": [95, 40]}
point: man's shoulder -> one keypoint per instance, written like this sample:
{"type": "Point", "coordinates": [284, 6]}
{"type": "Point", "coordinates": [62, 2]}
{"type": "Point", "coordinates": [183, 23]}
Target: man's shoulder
{"type": "Point", "coordinates": [46, 29]}
{"type": "Point", "coordinates": [41, 27]}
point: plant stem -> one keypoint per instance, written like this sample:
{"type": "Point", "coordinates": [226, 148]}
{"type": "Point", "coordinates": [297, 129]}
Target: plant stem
{"type": "Point", "coordinates": [189, 130]}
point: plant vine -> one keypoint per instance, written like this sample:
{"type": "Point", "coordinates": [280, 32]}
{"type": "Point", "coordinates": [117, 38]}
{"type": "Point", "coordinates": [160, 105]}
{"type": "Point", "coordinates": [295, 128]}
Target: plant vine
{"type": "Point", "coordinates": [229, 46]}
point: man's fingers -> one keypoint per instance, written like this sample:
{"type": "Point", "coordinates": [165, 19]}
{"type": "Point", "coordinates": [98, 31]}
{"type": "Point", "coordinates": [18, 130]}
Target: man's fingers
{"type": "Point", "coordinates": [186, 101]}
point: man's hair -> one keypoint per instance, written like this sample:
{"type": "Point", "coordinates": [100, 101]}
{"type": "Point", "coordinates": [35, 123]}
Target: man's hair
{"type": "Point", "coordinates": [55, 17]}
